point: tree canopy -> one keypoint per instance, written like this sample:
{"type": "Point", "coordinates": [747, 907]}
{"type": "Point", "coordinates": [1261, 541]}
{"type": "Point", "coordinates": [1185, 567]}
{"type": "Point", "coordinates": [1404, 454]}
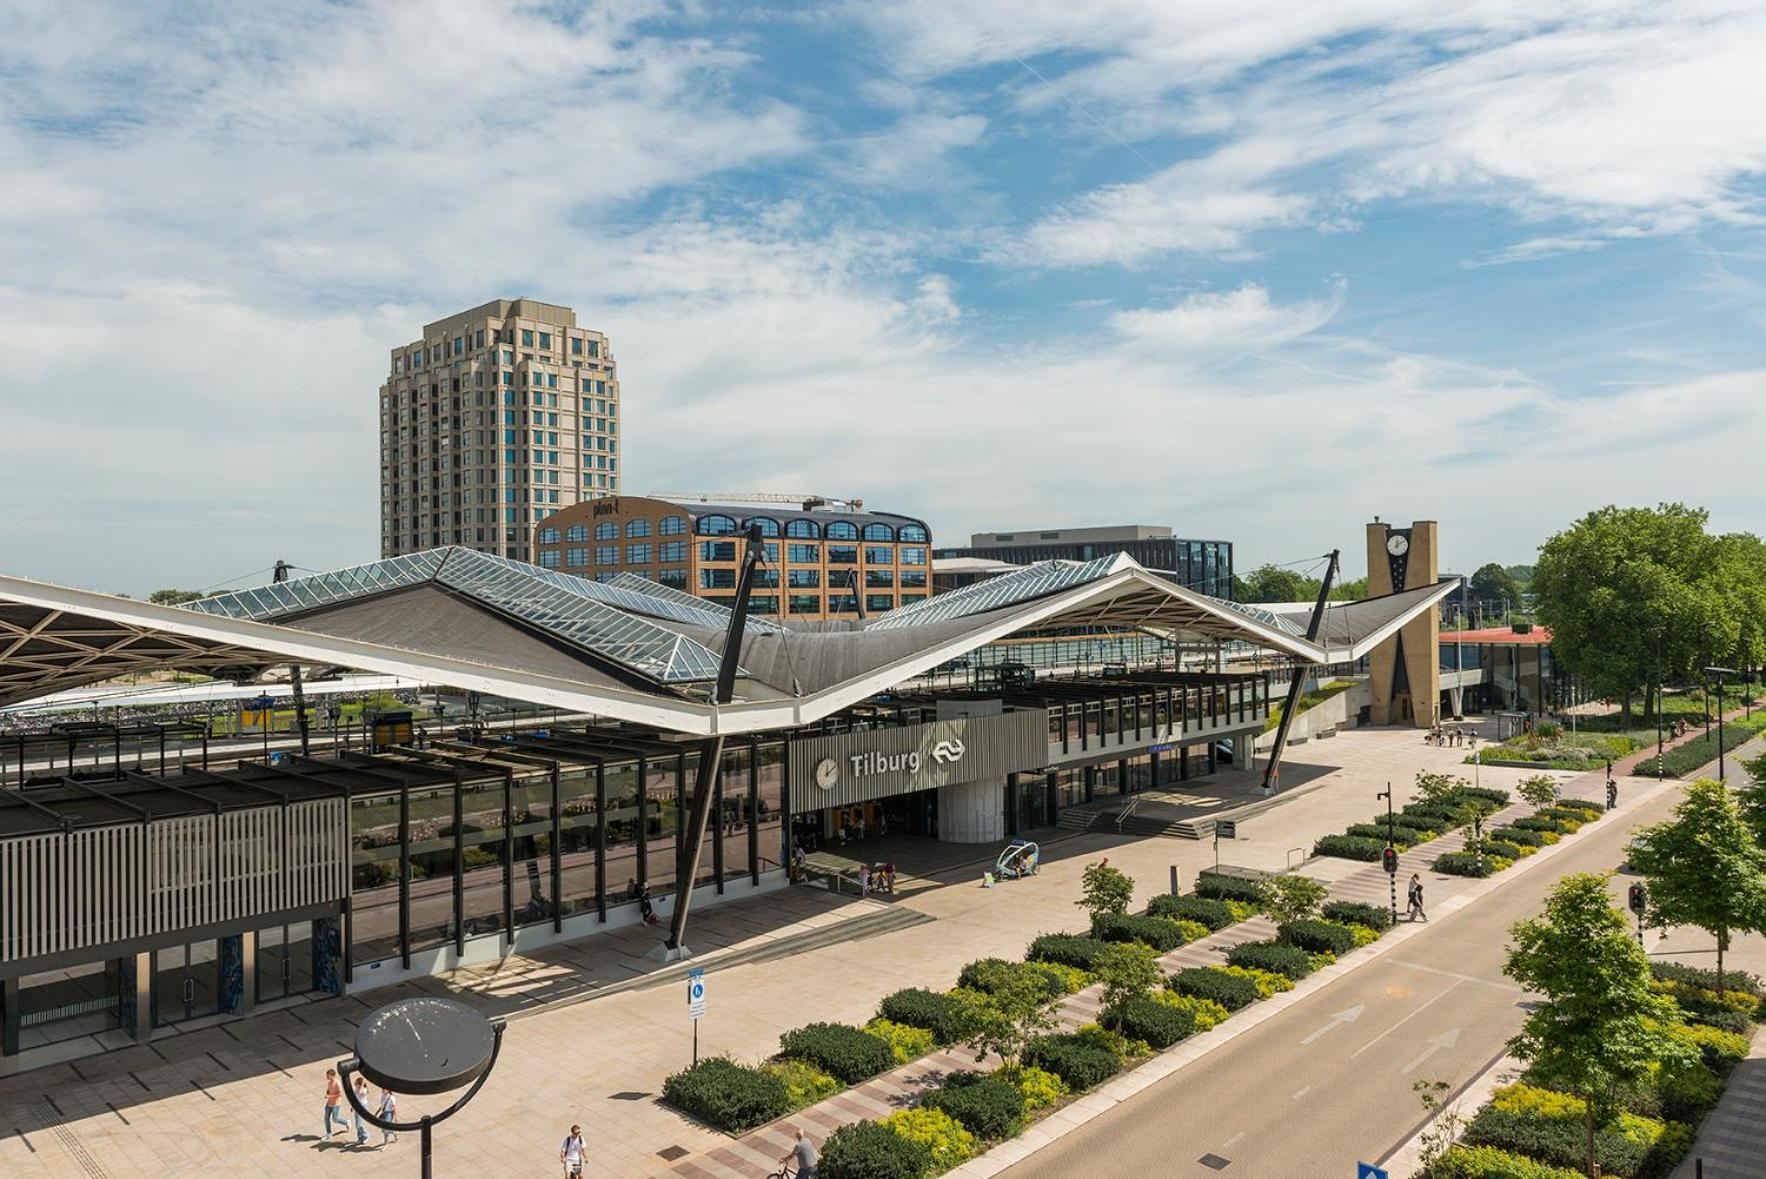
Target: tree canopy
{"type": "Point", "coordinates": [1271, 583]}
{"type": "Point", "coordinates": [1493, 583]}
{"type": "Point", "coordinates": [173, 597]}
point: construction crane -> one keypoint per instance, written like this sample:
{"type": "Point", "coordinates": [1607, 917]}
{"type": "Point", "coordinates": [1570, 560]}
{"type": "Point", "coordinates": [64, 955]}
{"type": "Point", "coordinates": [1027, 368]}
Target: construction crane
{"type": "Point", "coordinates": [807, 502]}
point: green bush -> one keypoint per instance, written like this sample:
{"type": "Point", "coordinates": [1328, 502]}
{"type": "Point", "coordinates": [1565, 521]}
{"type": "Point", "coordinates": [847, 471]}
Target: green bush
{"type": "Point", "coordinates": [1277, 959]}
{"type": "Point", "coordinates": [992, 975]}
{"type": "Point", "coordinates": [1487, 793]}
{"type": "Point", "coordinates": [1700, 976]}
{"type": "Point", "coordinates": [839, 1049]}
{"type": "Point", "coordinates": [805, 1084]}
{"type": "Point", "coordinates": [1519, 835]}
{"type": "Point", "coordinates": [945, 1138]}
{"type": "Point", "coordinates": [871, 1150]}
{"type": "Point", "coordinates": [1079, 1063]}
{"type": "Point", "coordinates": [1686, 1094]}
{"type": "Point", "coordinates": [1067, 949]}
{"type": "Point", "coordinates": [937, 1013]}
{"type": "Point", "coordinates": [1355, 913]}
{"type": "Point", "coordinates": [1575, 808]}
{"type": "Point", "coordinates": [1728, 1021]}
{"type": "Point", "coordinates": [1487, 1162]}
{"type": "Point", "coordinates": [1349, 847]}
{"type": "Point", "coordinates": [1219, 887]}
{"type": "Point", "coordinates": [1558, 1141]}
{"type": "Point", "coordinates": [1318, 937]}
{"type": "Point", "coordinates": [905, 1041]}
{"type": "Point", "coordinates": [1534, 823]}
{"type": "Point", "coordinates": [1231, 991]}
{"type": "Point", "coordinates": [986, 1105]}
{"type": "Point", "coordinates": [1040, 1087]}
{"type": "Point", "coordinates": [1503, 850]}
{"type": "Point", "coordinates": [1203, 910]}
{"type": "Point", "coordinates": [1062, 978]}
{"type": "Point", "coordinates": [1720, 1050]}
{"type": "Point", "coordinates": [1161, 933]}
{"type": "Point", "coordinates": [1402, 837]}
{"type": "Point", "coordinates": [1465, 864]}
{"type": "Point", "coordinates": [1152, 1022]}
{"type": "Point", "coordinates": [730, 1096]}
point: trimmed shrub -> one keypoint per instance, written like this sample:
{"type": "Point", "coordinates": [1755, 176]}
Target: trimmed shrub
{"type": "Point", "coordinates": [1365, 935]}
{"type": "Point", "coordinates": [1318, 937]}
{"type": "Point", "coordinates": [1277, 959]}
{"type": "Point", "coordinates": [1487, 793]}
{"type": "Point", "coordinates": [1487, 1162]}
{"type": "Point", "coordinates": [871, 1150]}
{"type": "Point", "coordinates": [905, 1041]}
{"type": "Point", "coordinates": [1067, 949]}
{"type": "Point", "coordinates": [1231, 991]}
{"type": "Point", "coordinates": [1219, 887]}
{"type": "Point", "coordinates": [1349, 847]}
{"type": "Point", "coordinates": [1688, 1093]}
{"type": "Point", "coordinates": [1729, 1021]}
{"type": "Point", "coordinates": [937, 1013]}
{"type": "Point", "coordinates": [1267, 982]}
{"type": "Point", "coordinates": [1467, 864]}
{"type": "Point", "coordinates": [1578, 809]}
{"type": "Point", "coordinates": [1205, 1012]}
{"type": "Point", "coordinates": [986, 1105]}
{"type": "Point", "coordinates": [1210, 913]}
{"type": "Point", "coordinates": [1161, 933]}
{"type": "Point", "coordinates": [1079, 1063]}
{"type": "Point", "coordinates": [1700, 1003]}
{"type": "Point", "coordinates": [1356, 913]}
{"type": "Point", "coordinates": [805, 1084]}
{"type": "Point", "coordinates": [840, 1050]}
{"type": "Point", "coordinates": [1152, 1022]}
{"type": "Point", "coordinates": [1547, 826]}
{"type": "Point", "coordinates": [1561, 1142]}
{"type": "Point", "coordinates": [1402, 837]}
{"type": "Point", "coordinates": [949, 1144]}
{"type": "Point", "coordinates": [730, 1096]}
{"type": "Point", "coordinates": [1040, 1087]}
{"type": "Point", "coordinates": [1063, 978]}
{"type": "Point", "coordinates": [1705, 978]}
{"type": "Point", "coordinates": [991, 975]}
{"type": "Point", "coordinates": [1720, 1050]}
{"type": "Point", "coordinates": [1504, 850]}
{"type": "Point", "coordinates": [1519, 835]}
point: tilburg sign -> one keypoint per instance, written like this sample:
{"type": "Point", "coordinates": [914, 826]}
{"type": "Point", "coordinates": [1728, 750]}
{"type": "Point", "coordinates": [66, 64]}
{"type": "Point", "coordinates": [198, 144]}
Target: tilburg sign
{"type": "Point", "coordinates": [865, 764]}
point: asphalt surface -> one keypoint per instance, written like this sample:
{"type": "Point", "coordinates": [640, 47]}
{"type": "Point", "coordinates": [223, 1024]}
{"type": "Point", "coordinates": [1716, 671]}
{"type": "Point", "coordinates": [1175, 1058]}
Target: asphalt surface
{"type": "Point", "coordinates": [1328, 1082]}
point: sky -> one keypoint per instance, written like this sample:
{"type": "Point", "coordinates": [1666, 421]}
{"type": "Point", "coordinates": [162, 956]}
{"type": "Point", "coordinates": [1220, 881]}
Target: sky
{"type": "Point", "coordinates": [1259, 271]}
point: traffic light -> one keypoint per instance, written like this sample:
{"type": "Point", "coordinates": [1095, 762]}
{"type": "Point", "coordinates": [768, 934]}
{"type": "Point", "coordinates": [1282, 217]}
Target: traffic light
{"type": "Point", "coordinates": [1637, 898]}
{"type": "Point", "coordinates": [1389, 858]}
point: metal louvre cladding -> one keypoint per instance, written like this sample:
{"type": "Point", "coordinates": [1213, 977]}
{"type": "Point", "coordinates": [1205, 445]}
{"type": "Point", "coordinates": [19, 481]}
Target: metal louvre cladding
{"type": "Point", "coordinates": [1033, 581]}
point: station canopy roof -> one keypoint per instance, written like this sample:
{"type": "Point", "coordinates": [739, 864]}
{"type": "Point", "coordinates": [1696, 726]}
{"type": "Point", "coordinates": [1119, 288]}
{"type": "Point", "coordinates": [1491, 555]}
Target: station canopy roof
{"type": "Point", "coordinates": [629, 649]}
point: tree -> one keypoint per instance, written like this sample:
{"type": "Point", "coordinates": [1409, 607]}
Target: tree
{"type": "Point", "coordinates": [1293, 898]}
{"type": "Point", "coordinates": [1438, 787]}
{"type": "Point", "coordinates": [1128, 970]}
{"type": "Point", "coordinates": [1005, 1019]}
{"type": "Point", "coordinates": [1751, 799]}
{"type": "Point", "coordinates": [1493, 583]}
{"type": "Point", "coordinates": [1601, 1027]}
{"type": "Point", "coordinates": [1541, 790]}
{"type": "Point", "coordinates": [1104, 889]}
{"type": "Point", "coordinates": [1705, 868]}
{"type": "Point", "coordinates": [173, 597]}
{"type": "Point", "coordinates": [1270, 583]}
{"type": "Point", "coordinates": [1349, 591]}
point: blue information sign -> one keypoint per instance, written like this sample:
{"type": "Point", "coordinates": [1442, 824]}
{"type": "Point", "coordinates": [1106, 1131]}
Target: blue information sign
{"type": "Point", "coordinates": [1369, 1171]}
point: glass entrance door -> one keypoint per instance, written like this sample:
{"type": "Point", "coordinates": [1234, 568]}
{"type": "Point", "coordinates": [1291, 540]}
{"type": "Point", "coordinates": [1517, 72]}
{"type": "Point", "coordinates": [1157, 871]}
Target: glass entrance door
{"type": "Point", "coordinates": [186, 982]}
{"type": "Point", "coordinates": [285, 961]}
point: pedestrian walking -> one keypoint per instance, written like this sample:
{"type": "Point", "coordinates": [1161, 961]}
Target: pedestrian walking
{"type": "Point", "coordinates": [334, 1102]}
{"type": "Point", "coordinates": [571, 1154]}
{"type": "Point", "coordinates": [803, 1153]}
{"type": "Point", "coordinates": [361, 1104]}
{"type": "Point", "coordinates": [864, 880]}
{"type": "Point", "coordinates": [1416, 899]}
{"type": "Point", "coordinates": [389, 1112]}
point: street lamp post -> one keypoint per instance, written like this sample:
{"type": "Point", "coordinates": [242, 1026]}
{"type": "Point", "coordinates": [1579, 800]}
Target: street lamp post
{"type": "Point", "coordinates": [1719, 672]}
{"type": "Point", "coordinates": [423, 1046]}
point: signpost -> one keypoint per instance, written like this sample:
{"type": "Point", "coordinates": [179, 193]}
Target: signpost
{"type": "Point", "coordinates": [1223, 829]}
{"type": "Point", "coordinates": [1369, 1171]}
{"type": "Point", "coordinates": [696, 1004]}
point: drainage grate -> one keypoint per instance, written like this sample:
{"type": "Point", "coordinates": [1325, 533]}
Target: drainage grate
{"type": "Point", "coordinates": [1215, 1162]}
{"type": "Point", "coordinates": [71, 1143]}
{"type": "Point", "coordinates": [628, 1095]}
{"type": "Point", "coordinates": [671, 1153]}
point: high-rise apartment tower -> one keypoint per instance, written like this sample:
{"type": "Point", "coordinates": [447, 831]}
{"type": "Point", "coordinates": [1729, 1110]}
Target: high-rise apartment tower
{"type": "Point", "coordinates": [496, 418]}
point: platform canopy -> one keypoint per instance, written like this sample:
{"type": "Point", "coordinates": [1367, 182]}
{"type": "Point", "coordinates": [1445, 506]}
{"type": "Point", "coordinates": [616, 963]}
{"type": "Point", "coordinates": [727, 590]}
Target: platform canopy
{"type": "Point", "coordinates": [629, 649]}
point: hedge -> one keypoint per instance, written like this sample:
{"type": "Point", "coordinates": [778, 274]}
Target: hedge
{"type": "Point", "coordinates": [1356, 913]}
{"type": "Point", "coordinates": [987, 1106]}
{"type": "Point", "coordinates": [906, 1042]}
{"type": "Point", "coordinates": [805, 1084]}
{"type": "Point", "coordinates": [1153, 1022]}
{"type": "Point", "coordinates": [1231, 991]}
{"type": "Point", "coordinates": [1067, 949]}
{"type": "Point", "coordinates": [1202, 910]}
{"type": "Point", "coordinates": [1519, 835]}
{"type": "Point", "coordinates": [1402, 837]}
{"type": "Point", "coordinates": [991, 975]}
{"type": "Point", "coordinates": [945, 1138]}
{"type": "Point", "coordinates": [1466, 864]}
{"type": "Point", "coordinates": [1079, 1062]}
{"type": "Point", "coordinates": [1277, 959]}
{"type": "Point", "coordinates": [1316, 937]}
{"type": "Point", "coordinates": [1487, 793]}
{"type": "Point", "coordinates": [1720, 1050]}
{"type": "Point", "coordinates": [1161, 933]}
{"type": "Point", "coordinates": [730, 1096]}
{"type": "Point", "coordinates": [937, 1013]}
{"type": "Point", "coordinates": [839, 1050]}
{"type": "Point", "coordinates": [1504, 850]}
{"type": "Point", "coordinates": [871, 1150]}
{"type": "Point", "coordinates": [1220, 887]}
{"type": "Point", "coordinates": [1562, 1142]}
{"type": "Point", "coordinates": [1487, 1162]}
{"type": "Point", "coordinates": [1534, 823]}
{"type": "Point", "coordinates": [1349, 847]}
{"type": "Point", "coordinates": [1701, 976]}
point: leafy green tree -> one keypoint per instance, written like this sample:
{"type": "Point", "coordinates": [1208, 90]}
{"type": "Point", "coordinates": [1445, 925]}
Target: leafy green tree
{"type": "Point", "coordinates": [1493, 583]}
{"type": "Point", "coordinates": [1293, 897]}
{"type": "Point", "coordinates": [1540, 789]}
{"type": "Point", "coordinates": [1104, 889]}
{"type": "Point", "coordinates": [1348, 591]}
{"type": "Point", "coordinates": [1432, 786]}
{"type": "Point", "coordinates": [1004, 1020]}
{"type": "Point", "coordinates": [1751, 799]}
{"type": "Point", "coordinates": [173, 597]}
{"type": "Point", "coordinates": [1269, 583]}
{"type": "Point", "coordinates": [1705, 868]}
{"type": "Point", "coordinates": [1601, 1027]}
{"type": "Point", "coordinates": [1128, 970]}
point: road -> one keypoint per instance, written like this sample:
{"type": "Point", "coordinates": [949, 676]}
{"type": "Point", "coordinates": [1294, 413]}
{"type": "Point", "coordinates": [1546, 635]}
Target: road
{"type": "Point", "coordinates": [1329, 1081]}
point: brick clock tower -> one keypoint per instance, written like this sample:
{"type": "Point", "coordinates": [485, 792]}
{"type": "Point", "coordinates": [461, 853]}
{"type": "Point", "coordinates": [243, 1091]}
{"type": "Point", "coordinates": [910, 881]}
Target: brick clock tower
{"type": "Point", "coordinates": [1405, 670]}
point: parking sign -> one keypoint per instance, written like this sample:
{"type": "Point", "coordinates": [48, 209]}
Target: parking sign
{"type": "Point", "coordinates": [696, 994]}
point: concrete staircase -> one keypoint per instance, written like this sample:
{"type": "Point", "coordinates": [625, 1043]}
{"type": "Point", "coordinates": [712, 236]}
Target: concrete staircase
{"type": "Point", "coordinates": [1108, 823]}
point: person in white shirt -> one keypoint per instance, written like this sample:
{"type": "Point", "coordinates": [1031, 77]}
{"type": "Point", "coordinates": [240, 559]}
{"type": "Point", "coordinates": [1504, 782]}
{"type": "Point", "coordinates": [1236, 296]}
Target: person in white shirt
{"type": "Point", "coordinates": [571, 1154]}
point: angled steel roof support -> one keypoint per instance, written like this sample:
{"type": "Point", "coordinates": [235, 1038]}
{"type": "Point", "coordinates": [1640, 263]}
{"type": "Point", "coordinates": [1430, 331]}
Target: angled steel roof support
{"type": "Point", "coordinates": [1298, 678]}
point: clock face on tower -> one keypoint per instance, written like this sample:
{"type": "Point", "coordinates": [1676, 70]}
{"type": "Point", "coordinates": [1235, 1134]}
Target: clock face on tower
{"type": "Point", "coordinates": [1398, 558]}
{"type": "Point", "coordinates": [1398, 544]}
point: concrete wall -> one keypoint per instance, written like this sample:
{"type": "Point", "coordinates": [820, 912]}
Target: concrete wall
{"type": "Point", "coordinates": [1337, 712]}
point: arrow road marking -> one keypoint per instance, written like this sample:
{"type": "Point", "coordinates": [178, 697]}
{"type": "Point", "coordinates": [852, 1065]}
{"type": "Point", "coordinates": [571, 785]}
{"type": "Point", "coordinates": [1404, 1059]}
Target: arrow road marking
{"type": "Point", "coordinates": [1446, 1039]}
{"type": "Point", "coordinates": [1336, 1021]}
{"type": "Point", "coordinates": [1451, 987]}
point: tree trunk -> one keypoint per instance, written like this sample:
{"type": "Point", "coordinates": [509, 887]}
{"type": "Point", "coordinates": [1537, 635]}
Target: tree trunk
{"type": "Point", "coordinates": [1588, 1123]}
{"type": "Point", "coordinates": [1722, 944]}
{"type": "Point", "coordinates": [1625, 707]}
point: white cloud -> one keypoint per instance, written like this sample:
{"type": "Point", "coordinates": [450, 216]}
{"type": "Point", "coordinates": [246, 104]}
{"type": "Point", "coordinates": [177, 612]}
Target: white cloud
{"type": "Point", "coordinates": [1240, 320]}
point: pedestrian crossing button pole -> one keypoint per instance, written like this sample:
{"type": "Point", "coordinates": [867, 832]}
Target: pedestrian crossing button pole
{"type": "Point", "coordinates": [1389, 856]}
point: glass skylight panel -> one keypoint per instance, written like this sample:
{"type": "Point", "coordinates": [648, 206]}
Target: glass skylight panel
{"type": "Point", "coordinates": [647, 594]}
{"type": "Point", "coordinates": [1268, 618]}
{"type": "Point", "coordinates": [322, 589]}
{"type": "Point", "coordinates": [1029, 583]}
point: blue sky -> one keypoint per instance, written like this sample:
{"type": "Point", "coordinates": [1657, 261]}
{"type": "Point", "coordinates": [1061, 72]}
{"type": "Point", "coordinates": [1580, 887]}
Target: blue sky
{"type": "Point", "coordinates": [1258, 271]}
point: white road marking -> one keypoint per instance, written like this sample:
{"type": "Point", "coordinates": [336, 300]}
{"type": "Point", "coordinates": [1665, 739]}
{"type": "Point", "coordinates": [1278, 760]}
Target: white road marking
{"type": "Point", "coordinates": [1304, 1090]}
{"type": "Point", "coordinates": [1227, 1145]}
{"type": "Point", "coordinates": [1483, 982]}
{"type": "Point", "coordinates": [1451, 987]}
{"type": "Point", "coordinates": [1446, 1039]}
{"type": "Point", "coordinates": [1336, 1021]}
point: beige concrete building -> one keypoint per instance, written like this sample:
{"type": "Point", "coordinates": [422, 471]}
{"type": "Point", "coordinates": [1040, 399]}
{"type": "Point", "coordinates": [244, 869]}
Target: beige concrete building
{"type": "Point", "coordinates": [495, 419]}
{"type": "Point", "coordinates": [1404, 672]}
